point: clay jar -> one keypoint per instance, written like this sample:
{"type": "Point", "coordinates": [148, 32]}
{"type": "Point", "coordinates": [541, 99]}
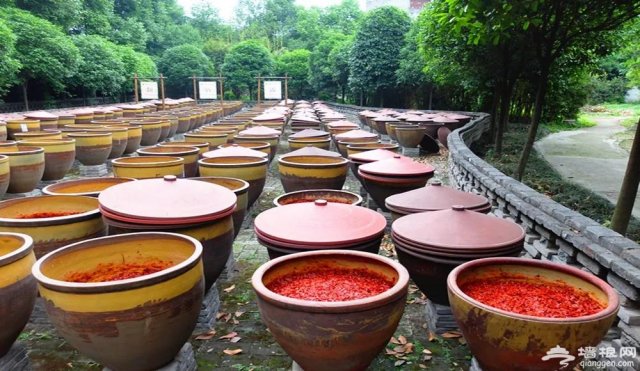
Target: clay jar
{"type": "Point", "coordinates": [355, 148]}
{"type": "Point", "coordinates": [410, 137]}
{"type": "Point", "coordinates": [251, 169]}
{"type": "Point", "coordinates": [344, 335]}
{"type": "Point", "coordinates": [92, 148]}
{"type": "Point", "coordinates": [3, 131]}
{"type": "Point", "coordinates": [151, 131]}
{"type": "Point", "coordinates": [213, 138]}
{"type": "Point", "coordinates": [502, 340]}
{"type": "Point", "coordinates": [26, 167]}
{"type": "Point", "coordinates": [202, 146]}
{"type": "Point", "coordinates": [20, 126]}
{"type": "Point", "coordinates": [119, 137]}
{"type": "Point", "coordinates": [5, 173]}
{"type": "Point", "coordinates": [137, 323]}
{"type": "Point", "coordinates": [304, 172]}
{"type": "Point", "coordinates": [146, 167]}
{"type": "Point", "coordinates": [47, 120]}
{"type": "Point", "coordinates": [134, 136]}
{"type": "Point", "coordinates": [31, 135]}
{"type": "Point", "coordinates": [17, 286]}
{"type": "Point", "coordinates": [256, 146]}
{"type": "Point", "coordinates": [50, 233]}
{"type": "Point", "coordinates": [241, 190]}
{"type": "Point", "coordinates": [323, 143]}
{"type": "Point", "coordinates": [59, 155]}
{"type": "Point", "coordinates": [330, 195]}
{"type": "Point", "coordinates": [366, 157]}
{"type": "Point", "coordinates": [319, 225]}
{"type": "Point", "coordinates": [189, 154]}
{"type": "Point", "coordinates": [196, 209]}
{"type": "Point", "coordinates": [83, 187]}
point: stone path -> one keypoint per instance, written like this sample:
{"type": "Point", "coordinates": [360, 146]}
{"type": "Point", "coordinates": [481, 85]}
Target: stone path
{"type": "Point", "coordinates": [590, 157]}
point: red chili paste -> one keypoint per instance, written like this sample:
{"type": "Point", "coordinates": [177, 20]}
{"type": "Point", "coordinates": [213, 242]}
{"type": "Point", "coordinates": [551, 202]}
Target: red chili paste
{"type": "Point", "coordinates": [119, 271]}
{"type": "Point", "coordinates": [47, 214]}
{"type": "Point", "coordinates": [329, 284]}
{"type": "Point", "coordinates": [533, 298]}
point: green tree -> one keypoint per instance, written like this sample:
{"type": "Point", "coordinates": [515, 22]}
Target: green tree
{"type": "Point", "coordinates": [339, 62]}
{"type": "Point", "coordinates": [9, 66]}
{"type": "Point", "coordinates": [97, 17]}
{"type": "Point", "coordinates": [206, 19]}
{"type": "Point", "coordinates": [243, 63]}
{"type": "Point", "coordinates": [343, 18]}
{"type": "Point", "coordinates": [631, 52]}
{"type": "Point", "coordinates": [322, 71]}
{"type": "Point", "coordinates": [375, 55]}
{"type": "Point", "coordinates": [216, 50]}
{"type": "Point", "coordinates": [180, 63]}
{"type": "Point", "coordinates": [101, 69]}
{"type": "Point", "coordinates": [295, 64]}
{"type": "Point", "coordinates": [135, 62]}
{"type": "Point", "coordinates": [44, 51]}
{"type": "Point", "coordinates": [65, 13]}
{"type": "Point", "coordinates": [410, 74]}
{"type": "Point", "coordinates": [129, 31]}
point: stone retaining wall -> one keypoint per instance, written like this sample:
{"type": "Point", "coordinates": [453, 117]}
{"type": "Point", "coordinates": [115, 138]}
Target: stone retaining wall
{"type": "Point", "coordinates": [554, 232]}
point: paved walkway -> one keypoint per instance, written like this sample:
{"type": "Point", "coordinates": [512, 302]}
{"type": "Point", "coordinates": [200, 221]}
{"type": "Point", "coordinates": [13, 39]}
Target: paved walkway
{"type": "Point", "coordinates": [590, 157]}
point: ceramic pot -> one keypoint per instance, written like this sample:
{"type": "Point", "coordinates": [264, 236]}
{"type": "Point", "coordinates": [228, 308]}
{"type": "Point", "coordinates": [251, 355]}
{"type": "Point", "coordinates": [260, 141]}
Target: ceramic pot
{"type": "Point", "coordinates": [145, 167]}
{"type": "Point", "coordinates": [273, 141]}
{"type": "Point", "coordinates": [151, 131]}
{"type": "Point", "coordinates": [8, 145]}
{"type": "Point", "coordinates": [59, 155]}
{"type": "Point", "coordinates": [83, 187]}
{"type": "Point", "coordinates": [26, 167]}
{"type": "Point", "coordinates": [250, 169]}
{"type": "Point", "coordinates": [241, 190]}
{"type": "Point", "coordinates": [20, 126]}
{"type": "Point", "coordinates": [355, 148]}
{"type": "Point", "coordinates": [299, 173]}
{"type": "Point", "coordinates": [33, 135]}
{"type": "Point", "coordinates": [330, 195]}
{"type": "Point", "coordinates": [50, 233]}
{"type": "Point", "coordinates": [17, 286]}
{"type": "Point", "coordinates": [119, 139]}
{"type": "Point", "coordinates": [410, 137]}
{"type": "Point", "coordinates": [203, 147]}
{"type": "Point", "coordinates": [323, 143]}
{"type": "Point", "coordinates": [137, 323]}
{"type": "Point", "coordinates": [502, 340]}
{"type": "Point", "coordinates": [189, 154]}
{"type": "Point", "coordinates": [256, 146]}
{"type": "Point", "coordinates": [214, 139]}
{"type": "Point", "coordinates": [345, 335]}
{"type": "Point", "coordinates": [3, 131]}
{"type": "Point", "coordinates": [92, 148]}
{"type": "Point", "coordinates": [134, 137]}
{"type": "Point", "coordinates": [5, 174]}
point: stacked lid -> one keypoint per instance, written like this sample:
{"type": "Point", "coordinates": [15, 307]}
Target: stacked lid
{"type": "Point", "coordinates": [309, 133]}
{"type": "Point", "coordinates": [260, 131]}
{"type": "Point", "coordinates": [356, 135]}
{"type": "Point", "coordinates": [435, 197]}
{"type": "Point", "coordinates": [320, 225]}
{"type": "Point", "coordinates": [235, 150]}
{"type": "Point", "coordinates": [372, 156]}
{"type": "Point", "coordinates": [311, 151]}
{"type": "Point", "coordinates": [396, 167]}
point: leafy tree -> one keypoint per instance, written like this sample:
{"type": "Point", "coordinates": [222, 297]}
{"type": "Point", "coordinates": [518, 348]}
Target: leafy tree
{"type": "Point", "coordinates": [279, 20]}
{"type": "Point", "coordinates": [308, 30]}
{"type": "Point", "coordinates": [631, 52]}
{"type": "Point", "coordinates": [339, 62]}
{"type": "Point", "coordinates": [410, 74]}
{"type": "Point", "coordinates": [243, 63]}
{"type": "Point", "coordinates": [101, 68]}
{"type": "Point", "coordinates": [295, 64]}
{"type": "Point", "coordinates": [206, 19]}
{"type": "Point", "coordinates": [216, 50]}
{"type": "Point", "coordinates": [135, 62]}
{"type": "Point", "coordinates": [45, 52]}
{"type": "Point", "coordinates": [97, 17]}
{"type": "Point", "coordinates": [375, 55]}
{"type": "Point", "coordinates": [9, 66]}
{"type": "Point", "coordinates": [343, 18]}
{"type": "Point", "coordinates": [66, 13]}
{"type": "Point", "coordinates": [321, 70]}
{"type": "Point", "coordinates": [180, 63]}
{"type": "Point", "coordinates": [129, 31]}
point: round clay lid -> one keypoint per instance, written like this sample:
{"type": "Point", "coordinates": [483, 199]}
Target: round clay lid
{"type": "Point", "coordinates": [384, 118]}
{"type": "Point", "coordinates": [342, 123]}
{"type": "Point", "coordinates": [457, 116]}
{"type": "Point", "coordinates": [320, 223]}
{"type": "Point", "coordinates": [372, 156]}
{"type": "Point", "coordinates": [41, 115]}
{"type": "Point", "coordinates": [166, 200]}
{"type": "Point", "coordinates": [305, 119]}
{"type": "Point", "coordinates": [397, 166]}
{"type": "Point", "coordinates": [235, 150]}
{"type": "Point", "coordinates": [458, 228]}
{"type": "Point", "coordinates": [311, 151]}
{"type": "Point", "coordinates": [367, 113]}
{"type": "Point", "coordinates": [272, 116]}
{"type": "Point", "coordinates": [309, 133]}
{"type": "Point", "coordinates": [444, 119]}
{"type": "Point", "coordinates": [82, 111]}
{"type": "Point", "coordinates": [434, 197]}
{"type": "Point", "coordinates": [417, 118]}
{"type": "Point", "coordinates": [355, 134]}
{"type": "Point", "coordinates": [259, 130]}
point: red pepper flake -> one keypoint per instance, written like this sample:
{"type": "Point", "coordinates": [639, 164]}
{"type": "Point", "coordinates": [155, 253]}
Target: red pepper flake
{"type": "Point", "coordinates": [47, 214]}
{"type": "Point", "coordinates": [539, 298]}
{"type": "Point", "coordinates": [119, 271]}
{"type": "Point", "coordinates": [331, 284]}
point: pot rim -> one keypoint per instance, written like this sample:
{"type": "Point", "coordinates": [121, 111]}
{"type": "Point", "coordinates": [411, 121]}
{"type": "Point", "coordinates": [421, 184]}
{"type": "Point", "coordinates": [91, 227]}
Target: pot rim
{"type": "Point", "coordinates": [309, 140]}
{"type": "Point", "coordinates": [18, 253]}
{"type": "Point", "coordinates": [45, 142]}
{"type": "Point", "coordinates": [339, 162]}
{"type": "Point", "coordinates": [238, 191]}
{"type": "Point", "coordinates": [334, 191]}
{"type": "Point", "coordinates": [397, 291]}
{"type": "Point", "coordinates": [205, 135]}
{"type": "Point", "coordinates": [250, 161]}
{"type": "Point", "coordinates": [117, 285]}
{"type": "Point", "coordinates": [178, 151]}
{"type": "Point", "coordinates": [23, 150]}
{"type": "Point", "coordinates": [55, 220]}
{"type": "Point", "coordinates": [152, 161]}
{"type": "Point", "coordinates": [612, 297]}
{"type": "Point", "coordinates": [183, 144]}
{"type": "Point", "coordinates": [50, 189]}
{"type": "Point", "coordinates": [86, 134]}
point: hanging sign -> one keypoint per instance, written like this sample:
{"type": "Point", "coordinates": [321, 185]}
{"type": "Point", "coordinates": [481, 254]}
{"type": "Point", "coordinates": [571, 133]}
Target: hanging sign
{"type": "Point", "coordinates": [272, 90]}
{"type": "Point", "coordinates": [208, 89]}
{"type": "Point", "coordinates": [148, 90]}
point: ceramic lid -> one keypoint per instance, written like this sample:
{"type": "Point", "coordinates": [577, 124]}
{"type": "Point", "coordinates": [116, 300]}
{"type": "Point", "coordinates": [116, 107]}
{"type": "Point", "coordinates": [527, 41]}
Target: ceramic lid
{"type": "Point", "coordinates": [342, 123]}
{"type": "Point", "coordinates": [234, 150]}
{"type": "Point", "coordinates": [260, 130]}
{"type": "Point", "coordinates": [434, 197]}
{"type": "Point", "coordinates": [273, 116]}
{"type": "Point", "coordinates": [416, 118]}
{"type": "Point", "coordinates": [311, 151]}
{"type": "Point", "coordinates": [384, 118]}
{"type": "Point", "coordinates": [397, 166]}
{"type": "Point", "coordinates": [354, 134]}
{"type": "Point", "coordinates": [457, 116]}
{"type": "Point", "coordinates": [309, 133]}
{"type": "Point", "coordinates": [373, 155]}
{"type": "Point", "coordinates": [40, 115]}
{"type": "Point", "coordinates": [82, 111]}
{"type": "Point", "coordinates": [368, 113]}
{"type": "Point", "coordinates": [444, 119]}
{"type": "Point", "coordinates": [320, 223]}
{"type": "Point", "coordinates": [306, 119]}
{"type": "Point", "coordinates": [167, 200]}
{"type": "Point", "coordinates": [458, 228]}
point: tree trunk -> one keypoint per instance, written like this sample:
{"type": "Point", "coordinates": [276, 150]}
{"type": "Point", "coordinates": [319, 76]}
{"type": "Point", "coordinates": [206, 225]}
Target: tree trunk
{"type": "Point", "coordinates": [342, 88]}
{"type": "Point", "coordinates": [494, 113]}
{"type": "Point", "coordinates": [505, 108]}
{"type": "Point", "coordinates": [361, 98]}
{"type": "Point", "coordinates": [535, 121]}
{"type": "Point", "coordinates": [629, 189]}
{"type": "Point", "coordinates": [430, 96]}
{"type": "Point", "coordinates": [25, 97]}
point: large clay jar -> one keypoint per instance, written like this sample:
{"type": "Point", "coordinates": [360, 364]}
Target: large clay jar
{"type": "Point", "coordinates": [21, 126]}
{"type": "Point", "coordinates": [92, 148]}
{"type": "Point", "coordinates": [59, 155]}
{"type": "Point", "coordinates": [504, 340]}
{"type": "Point", "coordinates": [330, 195]}
{"type": "Point", "coordinates": [137, 323]}
{"type": "Point", "coordinates": [151, 131]}
{"type": "Point", "coordinates": [50, 222]}
{"type": "Point", "coordinates": [196, 209]}
{"type": "Point", "coordinates": [83, 187]}
{"type": "Point", "coordinates": [355, 148]}
{"type": "Point", "coordinates": [134, 137]}
{"type": "Point", "coordinates": [251, 169]}
{"type": "Point", "coordinates": [299, 173]}
{"type": "Point", "coordinates": [343, 335]}
{"type": "Point", "coordinates": [241, 189]}
{"type": "Point", "coordinates": [26, 167]}
{"type": "Point", "coordinates": [17, 286]}
{"type": "Point", "coordinates": [257, 146]}
{"type": "Point", "coordinates": [146, 167]}
{"type": "Point", "coordinates": [189, 154]}
{"type": "Point", "coordinates": [3, 131]}
{"type": "Point", "coordinates": [295, 144]}
{"type": "Point", "coordinates": [202, 146]}
{"type": "Point", "coordinates": [33, 135]}
{"type": "Point", "coordinates": [47, 120]}
{"type": "Point", "coordinates": [213, 138]}
{"type": "Point", "coordinates": [119, 138]}
{"type": "Point", "coordinates": [5, 174]}
{"type": "Point", "coordinates": [410, 137]}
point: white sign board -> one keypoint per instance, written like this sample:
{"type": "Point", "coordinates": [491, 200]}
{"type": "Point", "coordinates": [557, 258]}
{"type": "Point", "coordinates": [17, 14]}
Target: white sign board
{"type": "Point", "coordinates": [148, 90]}
{"type": "Point", "coordinates": [272, 90]}
{"type": "Point", "coordinates": [208, 89]}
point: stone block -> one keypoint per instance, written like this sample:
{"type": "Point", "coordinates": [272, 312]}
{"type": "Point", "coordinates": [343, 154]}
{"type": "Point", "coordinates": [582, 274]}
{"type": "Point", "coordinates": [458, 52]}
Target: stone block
{"type": "Point", "coordinates": [627, 271]}
{"type": "Point", "coordinates": [630, 316]}
{"type": "Point", "coordinates": [623, 286]}
{"type": "Point", "coordinates": [16, 359]}
{"type": "Point", "coordinates": [592, 265]}
{"type": "Point", "coordinates": [567, 248]}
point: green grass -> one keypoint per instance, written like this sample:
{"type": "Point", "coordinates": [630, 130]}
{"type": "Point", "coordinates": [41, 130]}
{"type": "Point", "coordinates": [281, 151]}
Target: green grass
{"type": "Point", "coordinates": [583, 121]}
{"type": "Point", "coordinates": [540, 176]}
{"type": "Point", "coordinates": [613, 109]}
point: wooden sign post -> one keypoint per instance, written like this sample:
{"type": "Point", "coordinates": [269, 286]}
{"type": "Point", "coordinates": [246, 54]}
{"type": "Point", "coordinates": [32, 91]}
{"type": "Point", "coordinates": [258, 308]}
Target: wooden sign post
{"type": "Point", "coordinates": [198, 79]}
{"type": "Point", "coordinates": [286, 85]}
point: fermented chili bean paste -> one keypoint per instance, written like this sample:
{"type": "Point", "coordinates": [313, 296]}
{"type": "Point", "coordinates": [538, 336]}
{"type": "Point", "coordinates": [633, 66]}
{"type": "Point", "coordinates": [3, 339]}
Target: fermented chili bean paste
{"type": "Point", "coordinates": [532, 296]}
{"type": "Point", "coordinates": [47, 214]}
{"type": "Point", "coordinates": [105, 272]}
{"type": "Point", "coordinates": [331, 284]}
